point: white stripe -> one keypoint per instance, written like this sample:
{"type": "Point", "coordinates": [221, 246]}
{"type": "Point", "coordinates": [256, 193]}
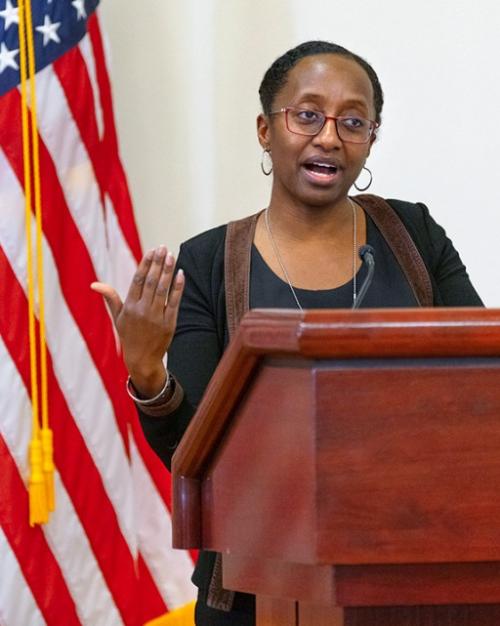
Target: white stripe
{"type": "Point", "coordinates": [17, 604]}
{"type": "Point", "coordinates": [64, 533]}
{"type": "Point", "coordinates": [69, 544]}
{"type": "Point", "coordinates": [171, 569]}
{"type": "Point", "coordinates": [80, 382]}
{"type": "Point", "coordinates": [74, 168]}
{"type": "Point", "coordinates": [88, 56]}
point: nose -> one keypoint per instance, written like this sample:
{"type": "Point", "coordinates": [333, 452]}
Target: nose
{"type": "Point", "coordinates": [328, 137]}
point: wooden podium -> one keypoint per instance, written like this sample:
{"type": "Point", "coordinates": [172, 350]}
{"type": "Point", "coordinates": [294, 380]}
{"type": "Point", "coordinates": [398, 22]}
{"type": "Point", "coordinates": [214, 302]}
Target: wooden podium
{"type": "Point", "coordinates": [347, 466]}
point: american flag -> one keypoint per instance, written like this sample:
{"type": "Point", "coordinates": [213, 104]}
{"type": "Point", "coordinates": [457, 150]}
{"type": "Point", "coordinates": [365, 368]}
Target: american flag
{"type": "Point", "coordinates": [105, 556]}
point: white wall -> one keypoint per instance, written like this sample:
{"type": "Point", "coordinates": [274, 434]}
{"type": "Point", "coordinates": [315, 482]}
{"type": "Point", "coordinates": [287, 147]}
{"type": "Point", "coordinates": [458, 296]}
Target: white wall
{"type": "Point", "coordinates": [186, 75]}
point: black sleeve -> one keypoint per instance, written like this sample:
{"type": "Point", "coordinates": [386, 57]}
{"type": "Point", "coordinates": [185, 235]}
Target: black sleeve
{"type": "Point", "coordinates": [193, 354]}
{"type": "Point", "coordinates": [452, 284]}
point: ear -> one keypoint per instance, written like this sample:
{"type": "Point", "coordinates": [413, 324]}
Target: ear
{"type": "Point", "coordinates": [373, 139]}
{"type": "Point", "coordinates": [264, 131]}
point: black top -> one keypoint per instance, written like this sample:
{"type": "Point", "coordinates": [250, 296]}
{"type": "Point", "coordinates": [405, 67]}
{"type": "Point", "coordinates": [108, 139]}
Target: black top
{"type": "Point", "coordinates": [389, 288]}
{"type": "Point", "coordinates": [202, 335]}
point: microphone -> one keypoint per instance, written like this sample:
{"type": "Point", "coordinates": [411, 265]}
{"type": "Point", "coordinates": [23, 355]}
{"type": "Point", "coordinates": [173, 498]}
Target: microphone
{"type": "Point", "coordinates": [367, 255]}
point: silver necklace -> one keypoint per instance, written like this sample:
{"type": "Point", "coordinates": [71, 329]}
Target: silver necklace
{"type": "Point", "coordinates": [354, 256]}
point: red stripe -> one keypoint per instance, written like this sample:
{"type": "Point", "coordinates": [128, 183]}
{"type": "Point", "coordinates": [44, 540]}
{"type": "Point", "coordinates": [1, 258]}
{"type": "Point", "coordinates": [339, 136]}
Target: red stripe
{"type": "Point", "coordinates": [78, 472]}
{"type": "Point", "coordinates": [73, 76]}
{"type": "Point", "coordinates": [151, 606]}
{"type": "Point", "coordinates": [39, 567]}
{"type": "Point", "coordinates": [118, 189]}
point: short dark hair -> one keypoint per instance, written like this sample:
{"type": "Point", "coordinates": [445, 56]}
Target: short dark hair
{"type": "Point", "coordinates": [276, 76]}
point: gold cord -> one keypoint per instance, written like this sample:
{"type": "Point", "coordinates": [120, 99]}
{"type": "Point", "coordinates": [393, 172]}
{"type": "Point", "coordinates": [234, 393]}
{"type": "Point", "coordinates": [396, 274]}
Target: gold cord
{"type": "Point", "coordinates": [41, 482]}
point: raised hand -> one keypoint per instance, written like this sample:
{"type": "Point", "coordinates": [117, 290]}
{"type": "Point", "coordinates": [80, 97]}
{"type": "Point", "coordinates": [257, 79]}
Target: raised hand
{"type": "Point", "coordinates": [146, 321]}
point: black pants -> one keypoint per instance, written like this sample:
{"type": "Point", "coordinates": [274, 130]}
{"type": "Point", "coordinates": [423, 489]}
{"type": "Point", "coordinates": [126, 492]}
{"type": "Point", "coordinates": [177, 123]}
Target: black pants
{"type": "Point", "coordinates": [242, 613]}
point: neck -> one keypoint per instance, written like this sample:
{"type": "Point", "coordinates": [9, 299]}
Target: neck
{"type": "Point", "coordinates": [303, 223]}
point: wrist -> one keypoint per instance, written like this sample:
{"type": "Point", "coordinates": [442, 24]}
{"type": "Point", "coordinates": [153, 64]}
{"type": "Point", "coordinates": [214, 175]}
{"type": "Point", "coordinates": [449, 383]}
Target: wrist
{"type": "Point", "coordinates": [161, 398]}
{"type": "Point", "coordinates": [148, 382]}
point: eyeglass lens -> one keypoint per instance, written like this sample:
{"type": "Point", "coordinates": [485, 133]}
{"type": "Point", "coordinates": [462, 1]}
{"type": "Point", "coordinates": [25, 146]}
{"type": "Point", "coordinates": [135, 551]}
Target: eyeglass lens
{"type": "Point", "coordinates": [309, 122]}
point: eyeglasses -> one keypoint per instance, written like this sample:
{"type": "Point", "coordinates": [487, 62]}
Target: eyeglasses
{"type": "Point", "coordinates": [309, 122]}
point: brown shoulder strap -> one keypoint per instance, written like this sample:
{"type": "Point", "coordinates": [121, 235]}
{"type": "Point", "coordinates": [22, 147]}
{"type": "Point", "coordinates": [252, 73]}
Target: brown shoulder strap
{"type": "Point", "coordinates": [401, 244]}
{"type": "Point", "coordinates": [238, 247]}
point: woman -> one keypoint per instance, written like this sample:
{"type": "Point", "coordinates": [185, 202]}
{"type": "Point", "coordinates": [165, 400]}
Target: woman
{"type": "Point", "coordinates": [321, 110]}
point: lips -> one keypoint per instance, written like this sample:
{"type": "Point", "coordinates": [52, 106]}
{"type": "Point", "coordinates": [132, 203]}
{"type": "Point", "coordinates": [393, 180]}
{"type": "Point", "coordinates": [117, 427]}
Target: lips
{"type": "Point", "coordinates": [321, 170]}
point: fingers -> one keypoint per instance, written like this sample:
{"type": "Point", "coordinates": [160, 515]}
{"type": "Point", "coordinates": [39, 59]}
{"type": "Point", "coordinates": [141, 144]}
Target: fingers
{"type": "Point", "coordinates": [111, 296]}
{"type": "Point", "coordinates": [159, 279]}
{"type": "Point", "coordinates": [139, 279]}
{"type": "Point", "coordinates": [153, 279]}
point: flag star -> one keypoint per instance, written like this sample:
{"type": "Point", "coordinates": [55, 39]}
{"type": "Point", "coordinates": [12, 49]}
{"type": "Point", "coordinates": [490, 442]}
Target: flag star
{"type": "Point", "coordinates": [49, 30]}
{"type": "Point", "coordinates": [10, 14]}
{"type": "Point", "coordinates": [7, 58]}
{"type": "Point", "coordinates": [79, 5]}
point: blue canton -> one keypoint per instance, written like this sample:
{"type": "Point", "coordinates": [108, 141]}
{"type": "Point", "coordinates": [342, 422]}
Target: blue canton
{"type": "Point", "coordinates": [58, 26]}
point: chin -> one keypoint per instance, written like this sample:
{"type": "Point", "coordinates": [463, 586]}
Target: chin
{"type": "Point", "coordinates": [322, 199]}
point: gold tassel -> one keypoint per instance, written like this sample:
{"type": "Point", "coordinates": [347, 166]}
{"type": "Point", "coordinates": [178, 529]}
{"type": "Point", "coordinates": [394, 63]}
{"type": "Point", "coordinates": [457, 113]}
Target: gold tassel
{"type": "Point", "coordinates": [48, 467]}
{"type": "Point", "coordinates": [37, 496]}
{"type": "Point", "coordinates": [183, 616]}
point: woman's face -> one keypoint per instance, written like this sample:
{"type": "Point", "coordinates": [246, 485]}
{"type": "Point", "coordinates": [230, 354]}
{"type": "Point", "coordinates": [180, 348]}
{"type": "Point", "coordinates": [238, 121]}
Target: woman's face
{"type": "Point", "coordinates": [335, 86]}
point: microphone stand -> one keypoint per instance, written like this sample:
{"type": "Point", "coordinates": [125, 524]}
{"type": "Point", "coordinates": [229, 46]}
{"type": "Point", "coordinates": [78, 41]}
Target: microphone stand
{"type": "Point", "coordinates": [367, 255]}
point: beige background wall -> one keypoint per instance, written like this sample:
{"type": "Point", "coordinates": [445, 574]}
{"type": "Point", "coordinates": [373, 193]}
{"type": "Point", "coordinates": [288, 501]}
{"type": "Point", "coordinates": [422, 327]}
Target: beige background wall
{"type": "Point", "coordinates": [186, 75]}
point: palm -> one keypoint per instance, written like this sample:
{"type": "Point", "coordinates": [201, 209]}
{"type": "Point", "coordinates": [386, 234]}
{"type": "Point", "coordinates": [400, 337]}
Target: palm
{"type": "Point", "coordinates": [146, 320]}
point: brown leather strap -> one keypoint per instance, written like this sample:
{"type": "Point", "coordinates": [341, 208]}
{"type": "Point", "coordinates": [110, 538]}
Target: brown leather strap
{"type": "Point", "coordinates": [238, 249]}
{"type": "Point", "coordinates": [239, 238]}
{"type": "Point", "coordinates": [401, 244]}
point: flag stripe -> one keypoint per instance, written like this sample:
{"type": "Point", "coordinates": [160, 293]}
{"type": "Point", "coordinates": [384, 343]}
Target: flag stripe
{"type": "Point", "coordinates": [152, 603]}
{"type": "Point", "coordinates": [30, 547]}
{"type": "Point", "coordinates": [87, 54]}
{"type": "Point", "coordinates": [72, 167]}
{"type": "Point", "coordinates": [71, 71]}
{"type": "Point", "coordinates": [24, 610]}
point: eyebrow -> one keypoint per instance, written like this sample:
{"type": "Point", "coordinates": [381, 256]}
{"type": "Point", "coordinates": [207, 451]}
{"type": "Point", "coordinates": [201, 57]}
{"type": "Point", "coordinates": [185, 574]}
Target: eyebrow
{"type": "Point", "coordinates": [348, 102]}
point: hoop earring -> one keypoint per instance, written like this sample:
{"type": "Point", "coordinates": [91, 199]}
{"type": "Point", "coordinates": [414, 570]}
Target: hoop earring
{"type": "Point", "coordinates": [269, 170]}
{"type": "Point", "coordinates": [369, 182]}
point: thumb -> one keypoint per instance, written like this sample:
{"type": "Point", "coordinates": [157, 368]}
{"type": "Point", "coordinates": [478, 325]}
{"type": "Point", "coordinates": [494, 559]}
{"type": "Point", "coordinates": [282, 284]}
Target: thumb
{"type": "Point", "coordinates": [111, 296]}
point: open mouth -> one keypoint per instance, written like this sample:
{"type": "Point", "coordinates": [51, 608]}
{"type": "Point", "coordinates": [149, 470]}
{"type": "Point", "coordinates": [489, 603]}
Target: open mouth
{"type": "Point", "coordinates": [319, 172]}
{"type": "Point", "coordinates": [321, 168]}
